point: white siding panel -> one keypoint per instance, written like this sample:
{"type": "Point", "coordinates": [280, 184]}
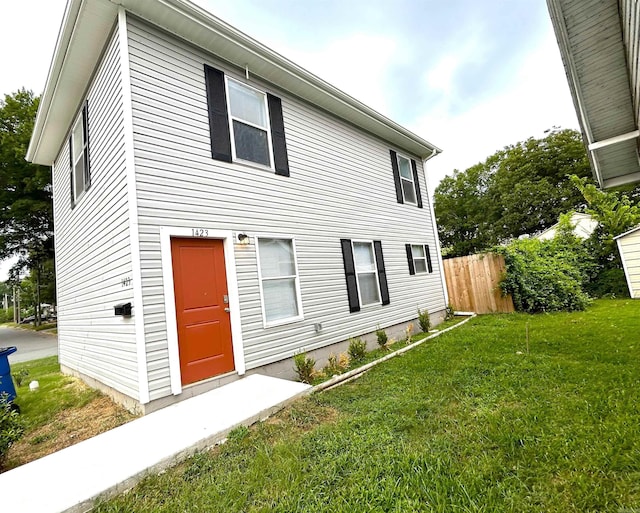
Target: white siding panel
{"type": "Point", "coordinates": [341, 186]}
{"type": "Point", "coordinates": [93, 251]}
{"type": "Point", "coordinates": [630, 252]}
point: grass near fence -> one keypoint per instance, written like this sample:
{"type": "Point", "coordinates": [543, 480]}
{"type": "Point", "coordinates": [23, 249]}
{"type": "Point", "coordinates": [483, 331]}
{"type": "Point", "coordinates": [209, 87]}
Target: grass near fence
{"type": "Point", "coordinates": [481, 419]}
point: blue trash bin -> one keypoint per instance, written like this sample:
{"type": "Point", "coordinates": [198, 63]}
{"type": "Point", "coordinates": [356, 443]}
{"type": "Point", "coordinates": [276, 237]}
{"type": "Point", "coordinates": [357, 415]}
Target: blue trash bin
{"type": "Point", "coordinates": [6, 382]}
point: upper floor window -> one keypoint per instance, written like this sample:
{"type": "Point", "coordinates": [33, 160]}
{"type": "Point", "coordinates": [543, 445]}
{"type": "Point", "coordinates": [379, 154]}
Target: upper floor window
{"type": "Point", "coordinates": [405, 177]}
{"type": "Point", "coordinates": [249, 123]}
{"type": "Point", "coordinates": [245, 124]}
{"type": "Point", "coordinates": [79, 156]}
{"type": "Point", "coordinates": [279, 281]}
{"type": "Point", "coordinates": [406, 180]}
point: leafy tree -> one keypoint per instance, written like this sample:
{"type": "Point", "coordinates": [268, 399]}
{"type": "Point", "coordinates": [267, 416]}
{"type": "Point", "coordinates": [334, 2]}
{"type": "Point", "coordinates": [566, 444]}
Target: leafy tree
{"type": "Point", "coordinates": [521, 189]}
{"type": "Point", "coordinates": [463, 213]}
{"type": "Point", "coordinates": [615, 213]}
{"type": "Point", "coordinates": [26, 212]}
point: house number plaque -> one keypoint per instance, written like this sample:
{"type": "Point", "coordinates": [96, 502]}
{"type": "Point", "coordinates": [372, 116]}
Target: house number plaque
{"type": "Point", "coordinates": [199, 232]}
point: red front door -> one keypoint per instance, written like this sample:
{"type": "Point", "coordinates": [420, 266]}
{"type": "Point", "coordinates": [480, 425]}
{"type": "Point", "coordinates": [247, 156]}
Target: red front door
{"type": "Point", "coordinates": [204, 327]}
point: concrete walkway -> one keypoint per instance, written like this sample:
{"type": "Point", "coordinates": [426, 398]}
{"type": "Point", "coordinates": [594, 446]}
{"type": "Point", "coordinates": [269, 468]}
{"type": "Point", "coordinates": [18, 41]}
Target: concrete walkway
{"type": "Point", "coordinates": [71, 479]}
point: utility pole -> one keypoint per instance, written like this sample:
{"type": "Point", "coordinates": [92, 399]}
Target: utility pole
{"type": "Point", "coordinates": [15, 319]}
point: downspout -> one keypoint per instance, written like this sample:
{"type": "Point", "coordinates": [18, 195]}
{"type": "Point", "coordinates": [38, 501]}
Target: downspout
{"type": "Point", "coordinates": [434, 227]}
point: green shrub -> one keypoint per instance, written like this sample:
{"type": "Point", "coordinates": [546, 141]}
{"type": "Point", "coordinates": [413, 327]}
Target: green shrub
{"type": "Point", "coordinates": [449, 312]}
{"type": "Point", "coordinates": [19, 376]}
{"type": "Point", "coordinates": [11, 427]}
{"type": "Point", "coordinates": [304, 367]}
{"type": "Point", "coordinates": [381, 335]}
{"type": "Point", "coordinates": [547, 276]}
{"type": "Point", "coordinates": [357, 349]}
{"type": "Point", "coordinates": [423, 320]}
{"type": "Point", "coordinates": [336, 364]}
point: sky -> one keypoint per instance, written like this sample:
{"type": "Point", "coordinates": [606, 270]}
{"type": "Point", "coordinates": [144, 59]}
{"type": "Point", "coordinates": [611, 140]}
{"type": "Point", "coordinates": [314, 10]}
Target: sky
{"type": "Point", "coordinates": [469, 76]}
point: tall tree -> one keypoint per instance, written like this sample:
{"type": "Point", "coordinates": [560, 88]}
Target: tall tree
{"type": "Point", "coordinates": [26, 211]}
{"type": "Point", "coordinates": [521, 189]}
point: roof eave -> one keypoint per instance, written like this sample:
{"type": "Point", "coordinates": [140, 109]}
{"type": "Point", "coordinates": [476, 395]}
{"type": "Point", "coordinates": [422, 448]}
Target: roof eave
{"type": "Point", "coordinates": [190, 22]}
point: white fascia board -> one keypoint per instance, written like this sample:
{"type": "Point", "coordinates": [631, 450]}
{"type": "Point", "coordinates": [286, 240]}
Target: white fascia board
{"type": "Point", "coordinates": [627, 233]}
{"type": "Point", "coordinates": [192, 23]}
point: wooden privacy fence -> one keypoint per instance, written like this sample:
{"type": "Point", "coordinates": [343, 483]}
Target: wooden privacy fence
{"type": "Point", "coordinates": [473, 281]}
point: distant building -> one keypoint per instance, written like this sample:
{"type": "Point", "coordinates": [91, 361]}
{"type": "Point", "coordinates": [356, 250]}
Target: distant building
{"type": "Point", "coordinates": [584, 226]}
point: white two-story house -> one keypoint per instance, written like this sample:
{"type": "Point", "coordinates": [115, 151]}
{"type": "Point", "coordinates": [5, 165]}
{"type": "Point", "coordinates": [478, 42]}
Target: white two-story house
{"type": "Point", "coordinates": [217, 208]}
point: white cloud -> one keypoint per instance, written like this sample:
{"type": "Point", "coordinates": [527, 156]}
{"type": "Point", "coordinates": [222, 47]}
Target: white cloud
{"type": "Point", "coordinates": [537, 98]}
{"type": "Point", "coordinates": [356, 63]}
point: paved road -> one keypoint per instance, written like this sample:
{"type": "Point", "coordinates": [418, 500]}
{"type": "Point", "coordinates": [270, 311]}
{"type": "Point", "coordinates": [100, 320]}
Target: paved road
{"type": "Point", "coordinates": [31, 344]}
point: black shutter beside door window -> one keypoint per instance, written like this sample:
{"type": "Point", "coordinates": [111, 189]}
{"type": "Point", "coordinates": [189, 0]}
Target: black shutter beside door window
{"type": "Point", "coordinates": [218, 115]}
{"type": "Point", "coordinates": [382, 273]}
{"type": "Point", "coordinates": [416, 182]}
{"type": "Point", "coordinates": [428, 253]}
{"type": "Point", "coordinates": [278, 139]}
{"type": "Point", "coordinates": [412, 269]}
{"type": "Point", "coordinates": [396, 176]}
{"type": "Point", "coordinates": [350, 275]}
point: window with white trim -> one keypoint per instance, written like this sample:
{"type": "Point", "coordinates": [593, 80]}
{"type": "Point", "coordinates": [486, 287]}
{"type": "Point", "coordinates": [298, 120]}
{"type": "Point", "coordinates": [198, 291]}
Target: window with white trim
{"type": "Point", "coordinates": [406, 180]}
{"type": "Point", "coordinates": [419, 258]}
{"type": "Point", "coordinates": [279, 280]}
{"type": "Point", "coordinates": [79, 153]}
{"type": "Point", "coordinates": [366, 273]}
{"type": "Point", "coordinates": [249, 123]}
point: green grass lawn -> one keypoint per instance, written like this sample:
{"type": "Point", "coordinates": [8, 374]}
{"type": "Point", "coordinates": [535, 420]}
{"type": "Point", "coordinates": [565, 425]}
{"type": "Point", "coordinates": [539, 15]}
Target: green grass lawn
{"type": "Point", "coordinates": [462, 423]}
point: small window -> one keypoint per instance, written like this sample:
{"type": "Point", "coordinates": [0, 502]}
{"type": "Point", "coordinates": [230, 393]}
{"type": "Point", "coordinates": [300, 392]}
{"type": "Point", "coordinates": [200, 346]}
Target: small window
{"type": "Point", "coordinates": [79, 150]}
{"type": "Point", "coordinates": [366, 272]}
{"type": "Point", "coordinates": [406, 180]}
{"type": "Point", "coordinates": [249, 123]}
{"type": "Point", "coordinates": [419, 258]}
{"type": "Point", "coordinates": [279, 281]}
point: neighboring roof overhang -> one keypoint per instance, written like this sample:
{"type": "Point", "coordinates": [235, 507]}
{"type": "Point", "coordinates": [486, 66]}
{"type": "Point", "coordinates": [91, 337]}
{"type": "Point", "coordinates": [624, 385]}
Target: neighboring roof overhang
{"type": "Point", "coordinates": [627, 233]}
{"type": "Point", "coordinates": [590, 38]}
{"type": "Point", "coordinates": [88, 23]}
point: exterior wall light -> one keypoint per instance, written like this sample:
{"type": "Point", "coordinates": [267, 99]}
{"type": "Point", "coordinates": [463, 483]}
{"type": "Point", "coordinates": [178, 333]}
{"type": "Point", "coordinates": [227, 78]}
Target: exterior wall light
{"type": "Point", "coordinates": [243, 238]}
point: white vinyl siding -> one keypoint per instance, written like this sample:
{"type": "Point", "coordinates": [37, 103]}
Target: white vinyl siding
{"type": "Point", "coordinates": [339, 188]}
{"type": "Point", "coordinates": [93, 252]}
{"type": "Point", "coordinates": [629, 246]}
{"type": "Point", "coordinates": [630, 15]}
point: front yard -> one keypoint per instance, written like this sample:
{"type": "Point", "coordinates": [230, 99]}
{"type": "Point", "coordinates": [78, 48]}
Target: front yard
{"type": "Point", "coordinates": [468, 422]}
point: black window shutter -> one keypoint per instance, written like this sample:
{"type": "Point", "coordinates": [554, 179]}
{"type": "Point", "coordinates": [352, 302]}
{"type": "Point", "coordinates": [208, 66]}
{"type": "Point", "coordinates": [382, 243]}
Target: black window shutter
{"type": "Point", "coordinates": [412, 269]}
{"type": "Point", "coordinates": [428, 253]}
{"type": "Point", "coordinates": [382, 273]}
{"type": "Point", "coordinates": [73, 202]}
{"type": "Point", "coordinates": [218, 116]}
{"type": "Point", "coordinates": [278, 139]}
{"type": "Point", "coordinates": [396, 175]}
{"type": "Point", "coordinates": [350, 274]}
{"type": "Point", "coordinates": [85, 127]}
{"type": "Point", "coordinates": [416, 183]}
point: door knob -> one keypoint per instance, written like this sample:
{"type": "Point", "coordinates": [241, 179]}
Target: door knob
{"type": "Point", "coordinates": [227, 310]}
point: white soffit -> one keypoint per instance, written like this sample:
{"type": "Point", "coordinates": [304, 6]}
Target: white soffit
{"type": "Point", "coordinates": [85, 30]}
{"type": "Point", "coordinates": [590, 38]}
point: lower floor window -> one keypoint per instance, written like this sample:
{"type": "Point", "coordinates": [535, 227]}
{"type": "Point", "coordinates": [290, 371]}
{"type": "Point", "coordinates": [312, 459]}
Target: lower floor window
{"type": "Point", "coordinates": [366, 272]}
{"type": "Point", "coordinates": [279, 280]}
